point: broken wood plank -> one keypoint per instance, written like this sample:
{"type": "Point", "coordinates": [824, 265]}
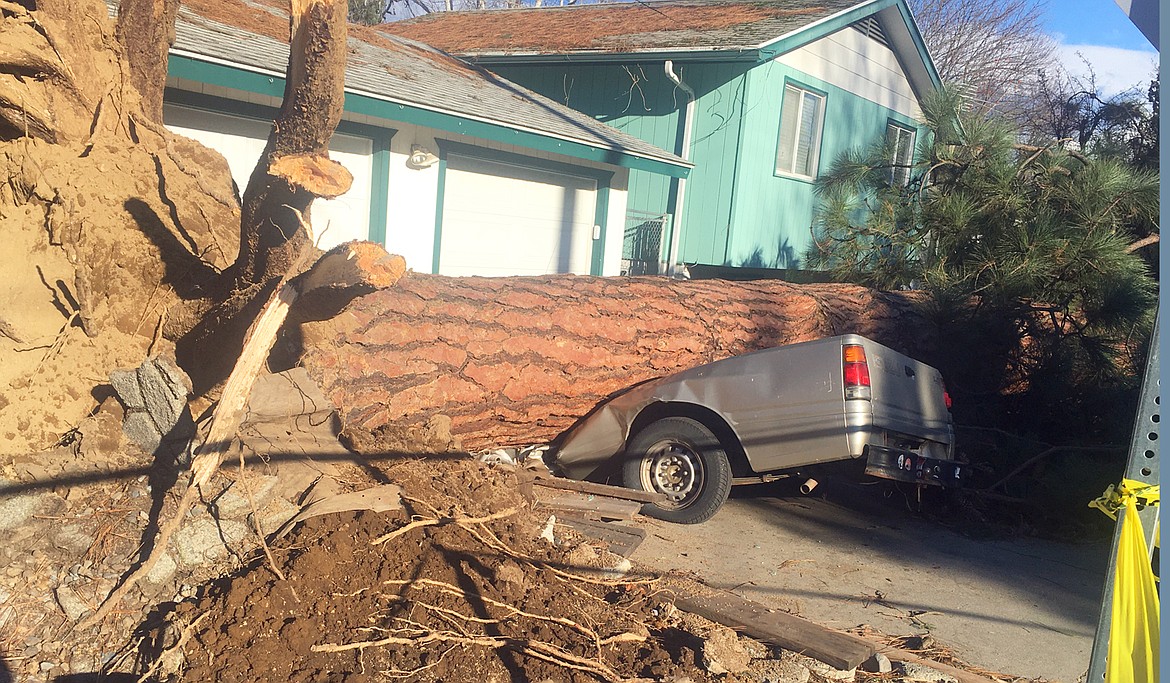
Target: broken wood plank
{"type": "Point", "coordinates": [596, 507]}
{"type": "Point", "coordinates": [837, 649]}
{"type": "Point", "coordinates": [549, 481]}
{"type": "Point", "coordinates": [618, 538]}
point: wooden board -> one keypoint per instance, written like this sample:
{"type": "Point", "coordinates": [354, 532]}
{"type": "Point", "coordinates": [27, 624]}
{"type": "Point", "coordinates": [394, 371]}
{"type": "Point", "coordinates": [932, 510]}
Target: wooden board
{"type": "Point", "coordinates": [618, 538]}
{"type": "Point", "coordinates": [593, 507]}
{"type": "Point", "coordinates": [549, 481]}
{"type": "Point", "coordinates": [837, 649]}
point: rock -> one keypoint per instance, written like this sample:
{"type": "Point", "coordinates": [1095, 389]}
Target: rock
{"type": "Point", "coordinates": [921, 673]}
{"type": "Point", "coordinates": [828, 672]}
{"type": "Point", "coordinates": [722, 652]}
{"type": "Point", "coordinates": [547, 532]}
{"type": "Point", "coordinates": [72, 537]}
{"type": "Point", "coordinates": [155, 398]}
{"type": "Point", "coordinates": [201, 542]}
{"type": "Point", "coordinates": [754, 648]}
{"type": "Point", "coordinates": [276, 513]}
{"type": "Point", "coordinates": [510, 571]}
{"type": "Point", "coordinates": [878, 664]}
{"type": "Point", "coordinates": [233, 502]}
{"type": "Point", "coordinates": [163, 570]}
{"type": "Point", "coordinates": [70, 603]}
{"type": "Point", "coordinates": [778, 671]}
{"type": "Point", "coordinates": [16, 510]}
{"type": "Point", "coordinates": [604, 564]}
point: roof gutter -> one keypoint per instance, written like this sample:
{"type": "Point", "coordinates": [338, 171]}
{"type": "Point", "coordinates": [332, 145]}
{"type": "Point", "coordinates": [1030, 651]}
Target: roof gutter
{"type": "Point", "coordinates": [688, 128]}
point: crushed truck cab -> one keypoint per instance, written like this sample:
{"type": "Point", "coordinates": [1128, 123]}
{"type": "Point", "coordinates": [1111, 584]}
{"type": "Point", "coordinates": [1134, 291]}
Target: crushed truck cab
{"type": "Point", "coordinates": [772, 412]}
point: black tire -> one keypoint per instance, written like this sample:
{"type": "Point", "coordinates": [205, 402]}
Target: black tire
{"type": "Point", "coordinates": [681, 458]}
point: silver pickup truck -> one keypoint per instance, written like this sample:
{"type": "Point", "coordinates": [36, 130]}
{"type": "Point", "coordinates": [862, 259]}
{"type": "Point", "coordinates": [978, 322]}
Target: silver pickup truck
{"type": "Point", "coordinates": [765, 415]}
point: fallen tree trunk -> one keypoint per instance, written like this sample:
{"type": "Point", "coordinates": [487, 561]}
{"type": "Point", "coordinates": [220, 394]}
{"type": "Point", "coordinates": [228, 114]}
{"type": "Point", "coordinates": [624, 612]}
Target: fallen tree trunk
{"type": "Point", "coordinates": [518, 360]}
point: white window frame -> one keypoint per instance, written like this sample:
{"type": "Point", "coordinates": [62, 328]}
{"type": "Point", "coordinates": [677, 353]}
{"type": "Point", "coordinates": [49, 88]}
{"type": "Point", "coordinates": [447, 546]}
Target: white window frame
{"type": "Point", "coordinates": [902, 157]}
{"type": "Point", "coordinates": [798, 97]}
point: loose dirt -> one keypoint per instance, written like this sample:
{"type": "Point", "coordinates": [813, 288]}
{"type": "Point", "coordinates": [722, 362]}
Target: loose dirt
{"type": "Point", "coordinates": [454, 601]}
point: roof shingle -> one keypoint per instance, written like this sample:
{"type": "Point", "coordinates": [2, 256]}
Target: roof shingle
{"type": "Point", "coordinates": [254, 34]}
{"type": "Point", "coordinates": [631, 27]}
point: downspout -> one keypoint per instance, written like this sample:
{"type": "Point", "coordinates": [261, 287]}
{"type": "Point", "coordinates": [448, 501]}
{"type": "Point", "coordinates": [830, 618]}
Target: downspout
{"type": "Point", "coordinates": [685, 153]}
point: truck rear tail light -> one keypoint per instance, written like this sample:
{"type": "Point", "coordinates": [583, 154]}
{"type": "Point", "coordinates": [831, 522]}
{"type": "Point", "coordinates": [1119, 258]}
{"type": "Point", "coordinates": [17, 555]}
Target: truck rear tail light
{"type": "Point", "coordinates": [855, 371]}
{"type": "Point", "coordinates": [946, 396]}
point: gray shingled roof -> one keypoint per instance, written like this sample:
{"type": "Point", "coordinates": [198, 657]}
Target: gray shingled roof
{"type": "Point", "coordinates": [627, 27]}
{"type": "Point", "coordinates": [406, 72]}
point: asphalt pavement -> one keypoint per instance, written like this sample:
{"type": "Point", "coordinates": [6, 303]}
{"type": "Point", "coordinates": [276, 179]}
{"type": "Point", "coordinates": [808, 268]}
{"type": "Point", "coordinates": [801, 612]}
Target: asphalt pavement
{"type": "Point", "coordinates": [844, 556]}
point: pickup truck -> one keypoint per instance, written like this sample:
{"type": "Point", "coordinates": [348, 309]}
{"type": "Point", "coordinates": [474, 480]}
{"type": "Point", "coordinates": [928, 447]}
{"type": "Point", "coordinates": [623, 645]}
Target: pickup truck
{"type": "Point", "coordinates": [775, 413]}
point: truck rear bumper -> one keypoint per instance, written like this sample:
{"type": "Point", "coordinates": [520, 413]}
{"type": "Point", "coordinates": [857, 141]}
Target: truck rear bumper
{"type": "Point", "coordinates": [908, 466]}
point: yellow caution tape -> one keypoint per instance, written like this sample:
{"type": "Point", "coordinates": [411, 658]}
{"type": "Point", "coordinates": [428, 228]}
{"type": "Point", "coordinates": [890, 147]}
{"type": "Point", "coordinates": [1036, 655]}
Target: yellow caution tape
{"type": "Point", "coordinates": [1135, 624]}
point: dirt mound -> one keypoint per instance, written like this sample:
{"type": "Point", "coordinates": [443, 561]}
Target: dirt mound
{"type": "Point", "coordinates": [102, 241]}
{"type": "Point", "coordinates": [460, 600]}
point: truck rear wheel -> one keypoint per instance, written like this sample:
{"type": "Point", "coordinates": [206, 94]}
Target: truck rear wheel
{"type": "Point", "coordinates": [681, 458]}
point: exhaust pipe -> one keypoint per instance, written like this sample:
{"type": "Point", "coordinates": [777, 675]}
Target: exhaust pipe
{"type": "Point", "coordinates": [807, 487]}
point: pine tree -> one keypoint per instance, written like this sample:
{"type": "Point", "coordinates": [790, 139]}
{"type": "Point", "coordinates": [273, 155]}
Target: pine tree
{"type": "Point", "coordinates": [1024, 250]}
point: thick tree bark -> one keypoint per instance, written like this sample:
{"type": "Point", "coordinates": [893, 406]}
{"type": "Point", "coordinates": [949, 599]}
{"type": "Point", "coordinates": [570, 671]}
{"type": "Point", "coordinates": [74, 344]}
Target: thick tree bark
{"type": "Point", "coordinates": [270, 234]}
{"type": "Point", "coordinates": [518, 360]}
{"type": "Point", "coordinates": [146, 30]}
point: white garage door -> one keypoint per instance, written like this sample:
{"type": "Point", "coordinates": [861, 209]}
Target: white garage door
{"type": "Point", "coordinates": [241, 141]}
{"type": "Point", "coordinates": [502, 219]}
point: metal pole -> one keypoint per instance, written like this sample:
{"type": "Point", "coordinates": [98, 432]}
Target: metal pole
{"type": "Point", "coordinates": [1142, 466]}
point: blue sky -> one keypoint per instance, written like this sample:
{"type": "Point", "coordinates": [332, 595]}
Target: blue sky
{"type": "Point", "coordinates": [1098, 29]}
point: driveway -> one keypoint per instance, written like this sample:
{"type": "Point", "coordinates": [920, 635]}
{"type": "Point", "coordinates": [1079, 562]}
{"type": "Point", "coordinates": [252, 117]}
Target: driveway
{"type": "Point", "coordinates": [843, 557]}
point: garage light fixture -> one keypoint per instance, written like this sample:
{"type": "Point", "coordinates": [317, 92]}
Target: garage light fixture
{"type": "Point", "coordinates": [421, 157]}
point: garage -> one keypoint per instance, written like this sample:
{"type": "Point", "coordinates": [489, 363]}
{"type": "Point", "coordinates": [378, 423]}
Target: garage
{"type": "Point", "coordinates": [241, 141]}
{"type": "Point", "coordinates": [500, 218]}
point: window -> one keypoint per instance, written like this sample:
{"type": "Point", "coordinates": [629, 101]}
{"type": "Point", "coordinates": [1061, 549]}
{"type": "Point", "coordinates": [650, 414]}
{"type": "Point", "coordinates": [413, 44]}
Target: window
{"type": "Point", "coordinates": [802, 115]}
{"type": "Point", "coordinates": [901, 144]}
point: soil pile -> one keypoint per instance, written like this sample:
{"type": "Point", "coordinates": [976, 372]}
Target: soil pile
{"type": "Point", "coordinates": [445, 597]}
{"type": "Point", "coordinates": [102, 240]}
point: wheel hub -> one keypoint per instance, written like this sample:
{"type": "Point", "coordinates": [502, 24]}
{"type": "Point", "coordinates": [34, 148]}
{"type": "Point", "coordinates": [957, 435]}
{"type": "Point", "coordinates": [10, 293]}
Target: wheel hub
{"type": "Point", "coordinates": [675, 470]}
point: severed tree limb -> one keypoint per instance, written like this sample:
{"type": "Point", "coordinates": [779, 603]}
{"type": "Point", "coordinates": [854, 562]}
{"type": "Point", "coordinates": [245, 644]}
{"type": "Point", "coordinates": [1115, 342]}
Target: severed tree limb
{"type": "Point", "coordinates": [294, 167]}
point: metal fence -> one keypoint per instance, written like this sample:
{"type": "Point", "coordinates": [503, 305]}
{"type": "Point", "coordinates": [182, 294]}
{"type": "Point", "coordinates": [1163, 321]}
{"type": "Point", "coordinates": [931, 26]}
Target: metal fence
{"type": "Point", "coordinates": [643, 242]}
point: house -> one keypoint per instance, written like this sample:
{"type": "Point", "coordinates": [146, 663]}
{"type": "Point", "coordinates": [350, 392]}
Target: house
{"type": "Point", "coordinates": [760, 95]}
{"type": "Point", "coordinates": [459, 170]}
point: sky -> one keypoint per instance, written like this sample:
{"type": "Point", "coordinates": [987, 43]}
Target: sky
{"type": "Point", "coordinates": [1099, 30]}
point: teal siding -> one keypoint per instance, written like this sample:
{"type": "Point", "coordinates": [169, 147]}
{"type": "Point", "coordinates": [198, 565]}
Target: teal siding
{"type": "Point", "coordinates": [716, 149]}
{"type": "Point", "coordinates": [773, 214]}
{"type": "Point", "coordinates": [738, 212]}
{"type": "Point", "coordinates": [635, 98]}
{"type": "Point", "coordinates": [640, 100]}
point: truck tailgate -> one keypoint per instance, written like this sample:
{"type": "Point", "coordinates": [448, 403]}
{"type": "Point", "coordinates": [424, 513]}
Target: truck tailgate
{"type": "Point", "coordinates": [908, 396]}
